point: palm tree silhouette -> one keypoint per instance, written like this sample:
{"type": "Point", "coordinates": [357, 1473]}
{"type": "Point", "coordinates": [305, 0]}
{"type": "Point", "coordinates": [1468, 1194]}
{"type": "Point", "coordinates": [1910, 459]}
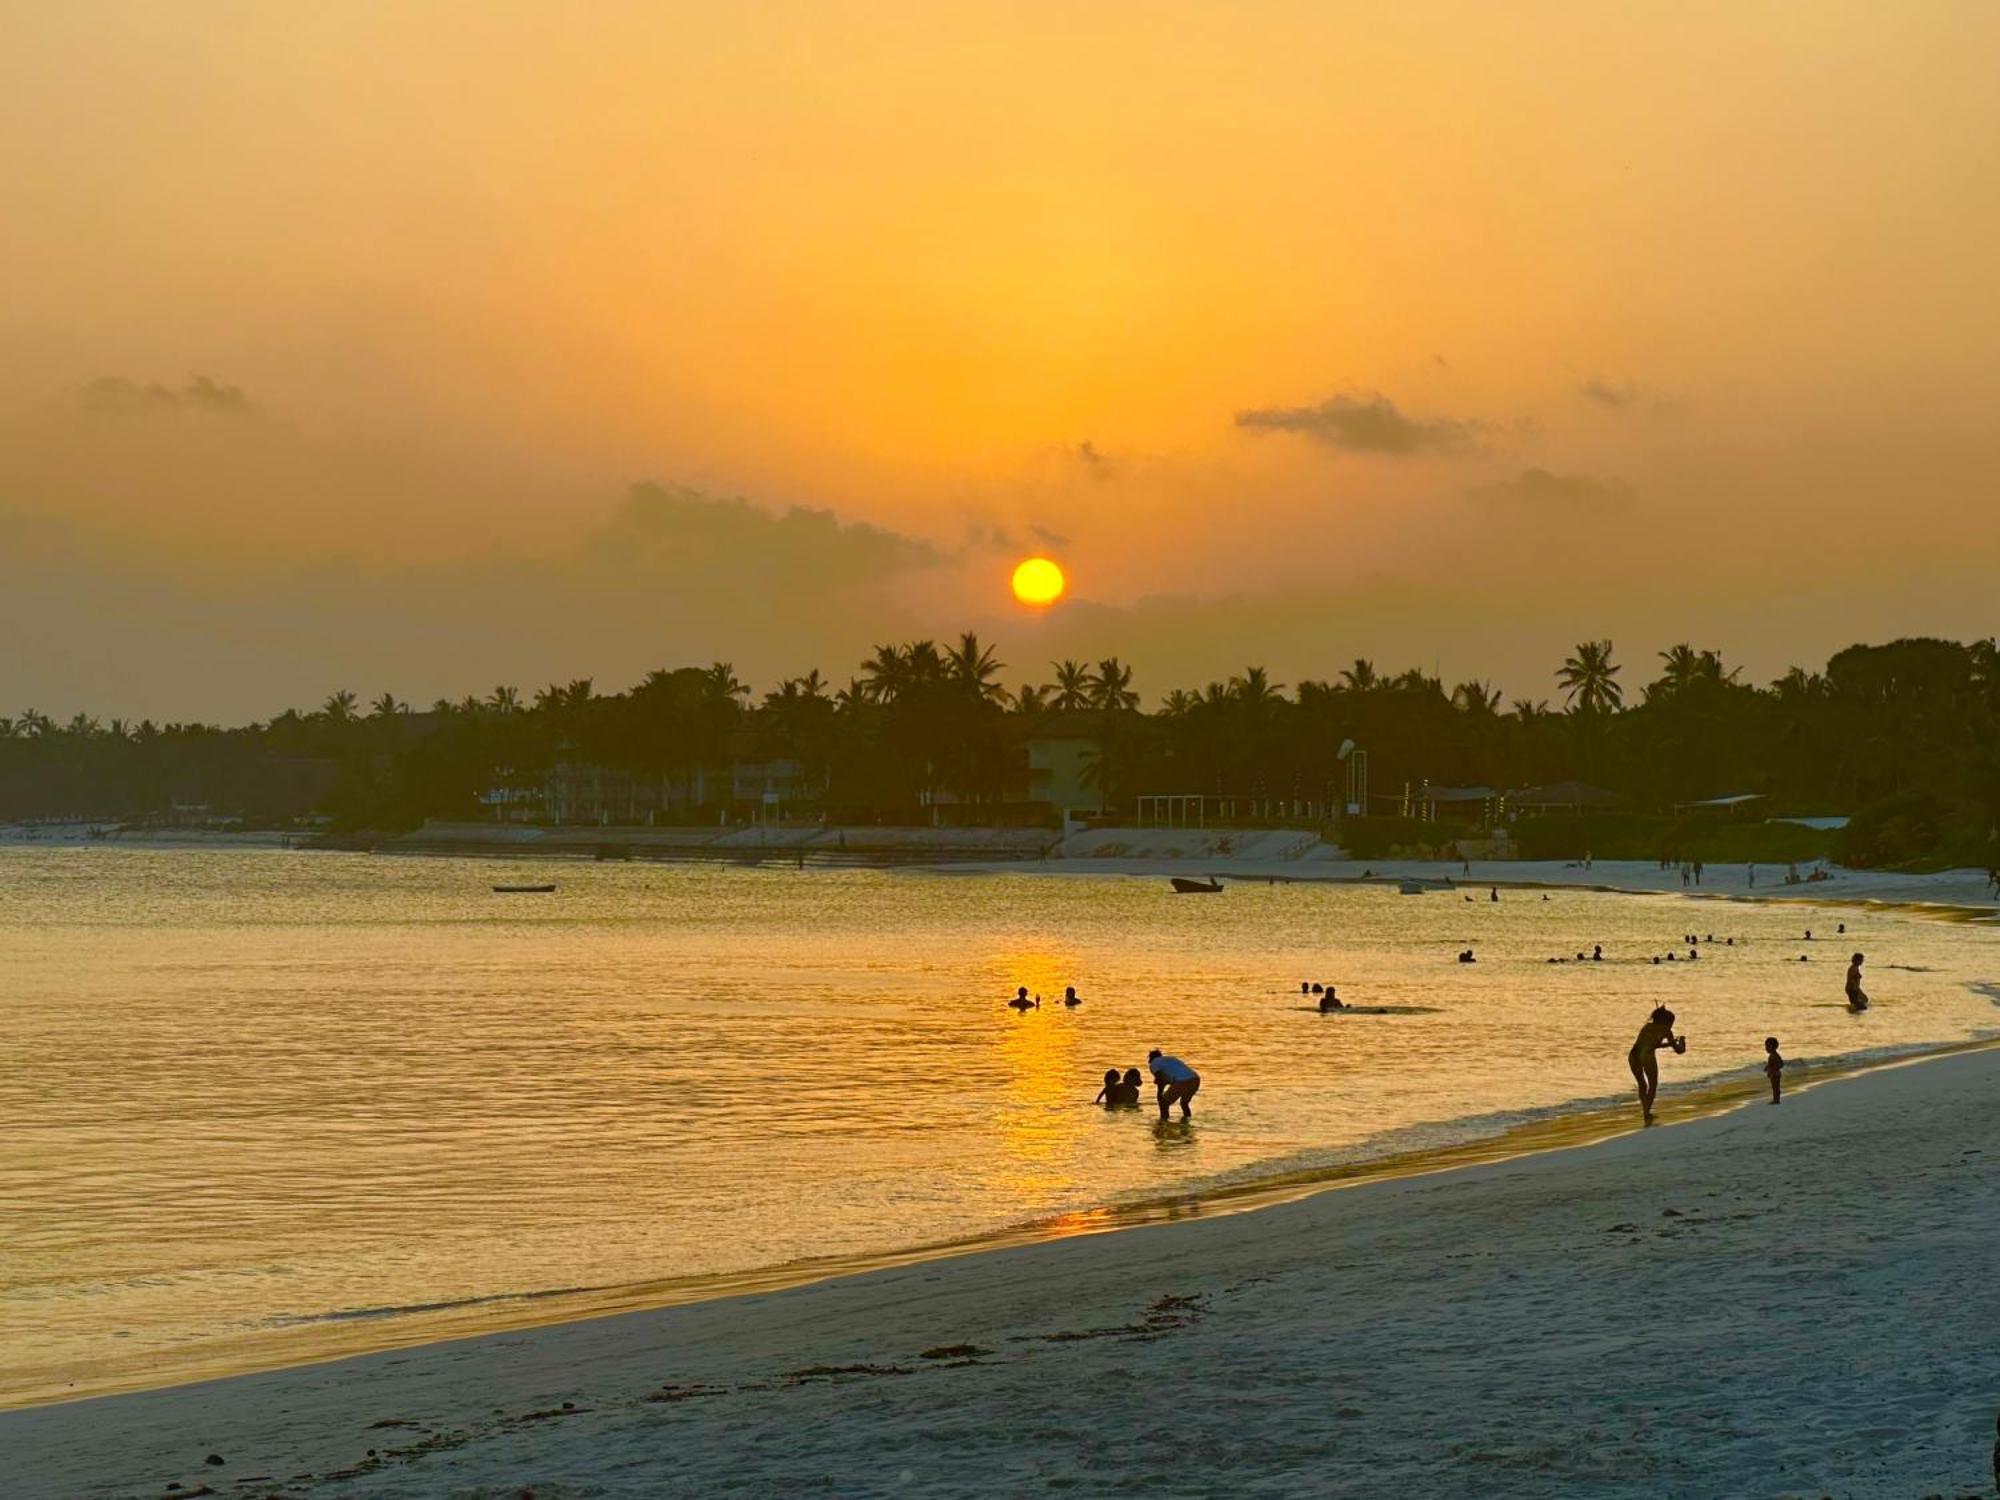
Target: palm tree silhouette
{"type": "Point", "coordinates": [971, 666]}
{"type": "Point", "coordinates": [1589, 679]}
{"type": "Point", "coordinates": [1073, 685]}
{"type": "Point", "coordinates": [1360, 677]}
{"type": "Point", "coordinates": [1111, 686]}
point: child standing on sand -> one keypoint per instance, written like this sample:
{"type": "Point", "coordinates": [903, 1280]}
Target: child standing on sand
{"type": "Point", "coordinates": [1774, 1065]}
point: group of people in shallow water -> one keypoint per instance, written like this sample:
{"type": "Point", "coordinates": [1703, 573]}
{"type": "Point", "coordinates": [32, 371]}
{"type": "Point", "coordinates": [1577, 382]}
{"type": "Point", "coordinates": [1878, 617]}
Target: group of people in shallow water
{"type": "Point", "coordinates": [1022, 1002]}
{"type": "Point", "coordinates": [1174, 1082]}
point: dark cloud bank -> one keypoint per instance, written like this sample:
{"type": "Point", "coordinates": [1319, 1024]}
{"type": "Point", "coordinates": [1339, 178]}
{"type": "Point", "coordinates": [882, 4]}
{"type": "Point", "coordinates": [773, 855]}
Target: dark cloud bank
{"type": "Point", "coordinates": [1369, 423]}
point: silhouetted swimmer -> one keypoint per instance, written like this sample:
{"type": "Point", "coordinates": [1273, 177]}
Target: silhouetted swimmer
{"type": "Point", "coordinates": [1658, 1032]}
{"type": "Point", "coordinates": [1070, 997]}
{"type": "Point", "coordinates": [1597, 953]}
{"type": "Point", "coordinates": [1174, 1081]}
{"type": "Point", "coordinates": [1316, 989]}
{"type": "Point", "coordinates": [1809, 934]}
{"type": "Point", "coordinates": [1304, 988]}
{"type": "Point", "coordinates": [1774, 1065]}
{"type": "Point", "coordinates": [1022, 1002]}
{"type": "Point", "coordinates": [1330, 1001]}
{"type": "Point", "coordinates": [1119, 1093]}
{"type": "Point", "coordinates": [1467, 958]}
{"type": "Point", "coordinates": [1656, 958]}
{"type": "Point", "coordinates": [1857, 998]}
{"type": "Point", "coordinates": [1841, 928]}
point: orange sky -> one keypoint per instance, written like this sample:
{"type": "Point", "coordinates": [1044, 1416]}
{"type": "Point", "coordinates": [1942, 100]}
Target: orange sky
{"type": "Point", "coordinates": [1444, 334]}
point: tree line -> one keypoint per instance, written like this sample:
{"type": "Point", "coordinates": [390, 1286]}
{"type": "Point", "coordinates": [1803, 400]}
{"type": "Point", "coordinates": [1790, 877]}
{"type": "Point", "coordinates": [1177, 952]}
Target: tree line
{"type": "Point", "coordinates": [1904, 736]}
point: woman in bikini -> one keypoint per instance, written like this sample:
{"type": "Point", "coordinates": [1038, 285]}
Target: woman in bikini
{"type": "Point", "coordinates": [1658, 1032]}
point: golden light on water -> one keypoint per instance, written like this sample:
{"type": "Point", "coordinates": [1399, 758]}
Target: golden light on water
{"type": "Point", "coordinates": [1039, 582]}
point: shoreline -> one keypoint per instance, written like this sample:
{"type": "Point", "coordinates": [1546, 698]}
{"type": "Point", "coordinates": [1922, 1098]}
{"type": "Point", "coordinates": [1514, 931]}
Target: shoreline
{"type": "Point", "coordinates": [1574, 1125]}
{"type": "Point", "coordinates": [1840, 1345]}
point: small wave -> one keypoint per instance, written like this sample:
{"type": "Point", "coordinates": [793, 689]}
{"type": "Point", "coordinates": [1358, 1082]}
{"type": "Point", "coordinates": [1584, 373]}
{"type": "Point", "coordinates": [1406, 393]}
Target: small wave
{"type": "Point", "coordinates": [411, 1309]}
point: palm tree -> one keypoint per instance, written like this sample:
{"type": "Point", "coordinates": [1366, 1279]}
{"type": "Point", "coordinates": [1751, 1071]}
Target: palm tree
{"type": "Point", "coordinates": [1479, 699]}
{"type": "Point", "coordinates": [1111, 686]}
{"type": "Point", "coordinates": [1589, 679]}
{"type": "Point", "coordinates": [1360, 677]}
{"type": "Point", "coordinates": [720, 684]}
{"type": "Point", "coordinates": [885, 675]}
{"type": "Point", "coordinates": [1030, 698]}
{"type": "Point", "coordinates": [386, 707]}
{"type": "Point", "coordinates": [505, 700]}
{"type": "Point", "coordinates": [1178, 704]}
{"type": "Point", "coordinates": [339, 707]}
{"type": "Point", "coordinates": [33, 724]}
{"type": "Point", "coordinates": [1254, 689]}
{"type": "Point", "coordinates": [1528, 710]}
{"type": "Point", "coordinates": [971, 665]}
{"type": "Point", "coordinates": [1073, 685]}
{"type": "Point", "coordinates": [812, 685]}
{"type": "Point", "coordinates": [1683, 667]}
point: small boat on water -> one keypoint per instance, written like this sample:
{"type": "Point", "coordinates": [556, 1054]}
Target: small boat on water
{"type": "Point", "coordinates": [1185, 887]}
{"type": "Point", "coordinates": [522, 890]}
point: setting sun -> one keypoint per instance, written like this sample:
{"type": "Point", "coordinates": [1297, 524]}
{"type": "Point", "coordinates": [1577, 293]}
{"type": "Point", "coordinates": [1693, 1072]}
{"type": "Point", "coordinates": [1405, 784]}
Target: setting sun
{"type": "Point", "coordinates": [1038, 581]}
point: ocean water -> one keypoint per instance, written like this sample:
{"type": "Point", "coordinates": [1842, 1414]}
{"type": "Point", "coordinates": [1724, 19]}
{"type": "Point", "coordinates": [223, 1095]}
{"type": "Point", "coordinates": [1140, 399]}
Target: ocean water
{"type": "Point", "coordinates": [262, 1106]}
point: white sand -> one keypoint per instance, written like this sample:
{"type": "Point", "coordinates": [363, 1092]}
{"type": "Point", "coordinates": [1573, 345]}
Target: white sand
{"type": "Point", "coordinates": [1778, 1301]}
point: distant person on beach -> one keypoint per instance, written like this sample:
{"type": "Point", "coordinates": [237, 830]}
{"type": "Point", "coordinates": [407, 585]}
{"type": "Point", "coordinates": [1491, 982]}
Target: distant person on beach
{"type": "Point", "coordinates": [1493, 894]}
{"type": "Point", "coordinates": [1857, 998]}
{"type": "Point", "coordinates": [1174, 1081]}
{"type": "Point", "coordinates": [1774, 1065]}
{"type": "Point", "coordinates": [1330, 1001]}
{"type": "Point", "coordinates": [1658, 1032]}
{"type": "Point", "coordinates": [1752, 869]}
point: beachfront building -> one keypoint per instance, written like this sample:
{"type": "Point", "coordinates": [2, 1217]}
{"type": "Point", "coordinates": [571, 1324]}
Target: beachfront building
{"type": "Point", "coordinates": [1059, 759]}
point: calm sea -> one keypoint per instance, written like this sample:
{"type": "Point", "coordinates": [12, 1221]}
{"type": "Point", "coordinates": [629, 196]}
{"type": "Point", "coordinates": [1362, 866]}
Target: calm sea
{"type": "Point", "coordinates": [261, 1106]}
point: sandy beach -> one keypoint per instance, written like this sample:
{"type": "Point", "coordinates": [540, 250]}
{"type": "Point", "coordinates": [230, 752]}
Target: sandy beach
{"type": "Point", "coordinates": [1770, 1301]}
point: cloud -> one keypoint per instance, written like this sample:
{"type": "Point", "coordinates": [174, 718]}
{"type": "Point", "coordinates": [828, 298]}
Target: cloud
{"type": "Point", "coordinates": [1540, 490]}
{"type": "Point", "coordinates": [1623, 396]}
{"type": "Point", "coordinates": [660, 527]}
{"type": "Point", "coordinates": [1097, 463]}
{"type": "Point", "coordinates": [1613, 395]}
{"type": "Point", "coordinates": [114, 395]}
{"type": "Point", "coordinates": [1369, 423]}
{"type": "Point", "coordinates": [1047, 537]}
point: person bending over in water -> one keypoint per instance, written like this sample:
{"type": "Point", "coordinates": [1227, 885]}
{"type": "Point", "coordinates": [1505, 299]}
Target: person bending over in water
{"type": "Point", "coordinates": [1658, 1032]}
{"type": "Point", "coordinates": [1774, 1065]}
{"type": "Point", "coordinates": [1857, 998]}
{"type": "Point", "coordinates": [1174, 1080]}
{"type": "Point", "coordinates": [1330, 1001]}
